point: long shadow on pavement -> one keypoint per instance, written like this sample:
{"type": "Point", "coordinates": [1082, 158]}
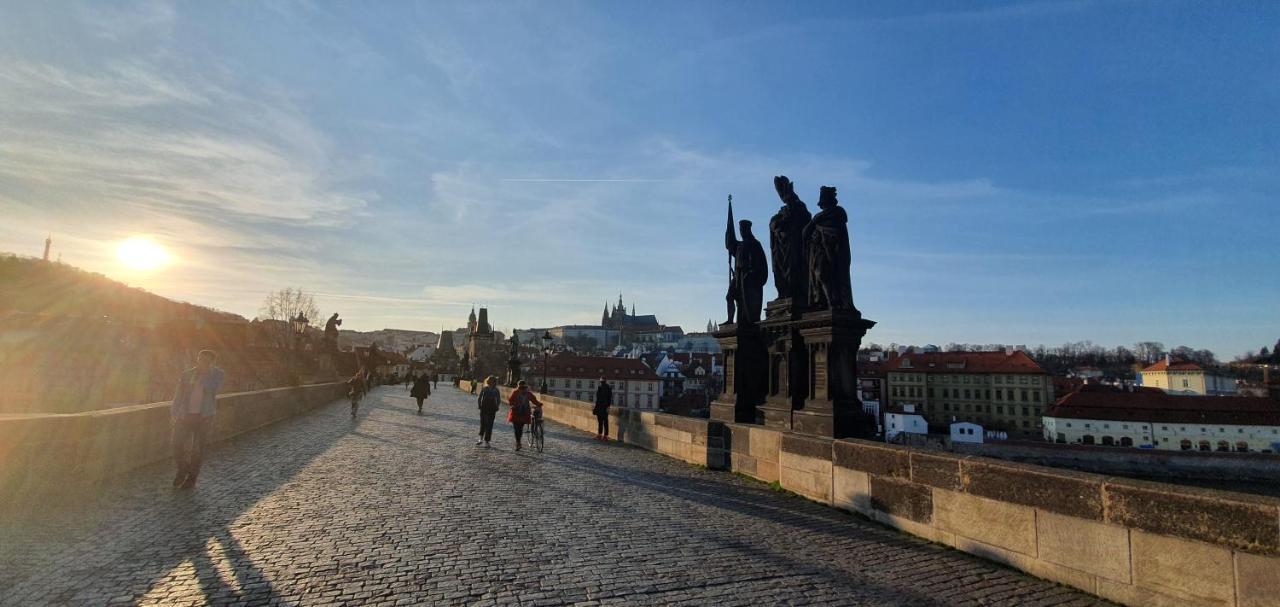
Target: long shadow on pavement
{"type": "Point", "coordinates": [120, 525]}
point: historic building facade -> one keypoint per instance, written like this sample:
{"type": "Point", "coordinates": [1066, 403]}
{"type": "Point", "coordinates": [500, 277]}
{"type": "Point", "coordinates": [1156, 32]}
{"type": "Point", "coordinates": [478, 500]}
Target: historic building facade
{"type": "Point", "coordinates": [635, 384]}
{"type": "Point", "coordinates": [1154, 419]}
{"type": "Point", "coordinates": [1183, 378]}
{"type": "Point", "coordinates": [1003, 390]}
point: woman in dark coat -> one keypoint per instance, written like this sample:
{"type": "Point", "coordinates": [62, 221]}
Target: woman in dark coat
{"type": "Point", "coordinates": [421, 389]}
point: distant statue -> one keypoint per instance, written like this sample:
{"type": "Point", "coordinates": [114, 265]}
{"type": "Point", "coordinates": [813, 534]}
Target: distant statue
{"type": "Point", "coordinates": [331, 332]}
{"type": "Point", "coordinates": [786, 241]}
{"type": "Point", "coordinates": [514, 346]}
{"type": "Point", "coordinates": [827, 246]}
{"type": "Point", "coordinates": [750, 273]}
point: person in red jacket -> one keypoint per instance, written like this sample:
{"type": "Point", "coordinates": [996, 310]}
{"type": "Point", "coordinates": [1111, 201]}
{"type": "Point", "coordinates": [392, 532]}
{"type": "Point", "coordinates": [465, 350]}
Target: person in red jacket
{"type": "Point", "coordinates": [522, 401]}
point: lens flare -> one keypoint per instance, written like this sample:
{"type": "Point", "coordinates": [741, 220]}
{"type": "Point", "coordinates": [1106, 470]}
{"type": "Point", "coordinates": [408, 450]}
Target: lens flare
{"type": "Point", "coordinates": [141, 254]}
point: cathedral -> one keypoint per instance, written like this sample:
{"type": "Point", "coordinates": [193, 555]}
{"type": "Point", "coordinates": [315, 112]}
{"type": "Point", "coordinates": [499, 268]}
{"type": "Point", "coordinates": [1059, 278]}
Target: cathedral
{"type": "Point", "coordinates": [619, 320]}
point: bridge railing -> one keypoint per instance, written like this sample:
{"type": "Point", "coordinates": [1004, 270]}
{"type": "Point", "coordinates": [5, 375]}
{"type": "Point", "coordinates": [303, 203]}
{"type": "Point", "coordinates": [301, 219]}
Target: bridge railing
{"type": "Point", "coordinates": [1130, 541]}
{"type": "Point", "coordinates": [40, 451]}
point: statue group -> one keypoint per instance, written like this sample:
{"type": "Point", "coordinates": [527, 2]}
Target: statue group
{"type": "Point", "coordinates": [811, 257]}
{"type": "Point", "coordinates": [796, 367]}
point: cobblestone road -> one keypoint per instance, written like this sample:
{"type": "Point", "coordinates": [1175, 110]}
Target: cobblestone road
{"type": "Point", "coordinates": [394, 508]}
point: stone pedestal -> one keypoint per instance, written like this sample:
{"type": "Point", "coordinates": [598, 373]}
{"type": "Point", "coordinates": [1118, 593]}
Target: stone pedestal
{"type": "Point", "coordinates": [513, 372]}
{"type": "Point", "coordinates": [785, 386]}
{"type": "Point", "coordinates": [831, 407]}
{"type": "Point", "coordinates": [745, 361]}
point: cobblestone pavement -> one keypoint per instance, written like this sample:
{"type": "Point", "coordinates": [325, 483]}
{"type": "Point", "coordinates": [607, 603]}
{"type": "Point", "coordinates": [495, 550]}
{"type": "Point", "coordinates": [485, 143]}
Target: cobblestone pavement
{"type": "Point", "coordinates": [394, 508]}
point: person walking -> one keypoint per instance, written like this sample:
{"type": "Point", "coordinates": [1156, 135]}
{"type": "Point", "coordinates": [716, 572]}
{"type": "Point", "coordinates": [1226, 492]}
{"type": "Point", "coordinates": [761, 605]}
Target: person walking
{"type": "Point", "coordinates": [359, 384]}
{"type": "Point", "coordinates": [489, 401]}
{"type": "Point", "coordinates": [604, 398]}
{"type": "Point", "coordinates": [192, 411]}
{"type": "Point", "coordinates": [522, 401]}
{"type": "Point", "coordinates": [473, 386]}
{"type": "Point", "coordinates": [421, 390]}
{"type": "Point", "coordinates": [435, 380]}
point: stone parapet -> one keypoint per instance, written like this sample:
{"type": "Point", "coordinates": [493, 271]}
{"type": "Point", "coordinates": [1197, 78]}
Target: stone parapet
{"type": "Point", "coordinates": [1133, 542]}
{"type": "Point", "coordinates": [43, 451]}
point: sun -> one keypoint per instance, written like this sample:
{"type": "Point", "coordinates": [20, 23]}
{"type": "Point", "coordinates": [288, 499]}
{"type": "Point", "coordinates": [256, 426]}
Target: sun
{"type": "Point", "coordinates": [141, 254]}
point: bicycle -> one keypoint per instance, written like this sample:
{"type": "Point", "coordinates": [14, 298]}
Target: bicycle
{"type": "Point", "coordinates": [537, 434]}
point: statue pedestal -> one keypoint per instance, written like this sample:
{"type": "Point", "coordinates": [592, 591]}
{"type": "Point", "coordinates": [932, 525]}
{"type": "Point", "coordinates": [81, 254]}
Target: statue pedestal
{"type": "Point", "coordinates": [745, 360]}
{"type": "Point", "coordinates": [786, 385]}
{"type": "Point", "coordinates": [831, 407]}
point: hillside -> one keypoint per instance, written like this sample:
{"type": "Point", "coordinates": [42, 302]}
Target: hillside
{"type": "Point", "coordinates": [32, 286]}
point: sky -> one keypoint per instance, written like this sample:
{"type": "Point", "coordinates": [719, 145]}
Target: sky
{"type": "Point", "coordinates": [1014, 172]}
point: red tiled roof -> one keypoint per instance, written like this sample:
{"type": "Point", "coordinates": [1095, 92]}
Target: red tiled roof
{"type": "Point", "coordinates": [965, 362]}
{"type": "Point", "coordinates": [1155, 405]}
{"type": "Point", "coordinates": [592, 367]}
{"type": "Point", "coordinates": [868, 368]}
{"type": "Point", "coordinates": [1177, 365]}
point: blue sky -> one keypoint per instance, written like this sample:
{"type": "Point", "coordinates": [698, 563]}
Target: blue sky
{"type": "Point", "coordinates": [1014, 172]}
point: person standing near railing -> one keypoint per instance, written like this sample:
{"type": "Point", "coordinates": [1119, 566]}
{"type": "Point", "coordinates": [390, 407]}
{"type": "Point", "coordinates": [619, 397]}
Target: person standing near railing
{"type": "Point", "coordinates": [193, 409]}
{"type": "Point", "coordinates": [604, 398]}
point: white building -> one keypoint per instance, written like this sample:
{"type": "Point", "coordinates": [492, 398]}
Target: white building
{"type": "Point", "coordinates": [634, 384]}
{"type": "Point", "coordinates": [906, 421]}
{"type": "Point", "coordinates": [1153, 419]}
{"type": "Point", "coordinates": [966, 432]}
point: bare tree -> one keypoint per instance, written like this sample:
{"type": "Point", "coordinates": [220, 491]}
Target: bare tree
{"type": "Point", "coordinates": [281, 307]}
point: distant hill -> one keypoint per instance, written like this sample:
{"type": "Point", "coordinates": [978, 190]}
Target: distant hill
{"type": "Point", "coordinates": [32, 286]}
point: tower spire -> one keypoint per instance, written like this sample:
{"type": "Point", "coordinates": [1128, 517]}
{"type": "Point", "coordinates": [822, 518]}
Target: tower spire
{"type": "Point", "coordinates": [48, 242]}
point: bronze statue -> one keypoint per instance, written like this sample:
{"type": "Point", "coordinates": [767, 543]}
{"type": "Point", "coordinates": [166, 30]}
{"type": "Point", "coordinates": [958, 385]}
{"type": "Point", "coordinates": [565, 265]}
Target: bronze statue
{"type": "Point", "coordinates": [750, 273]}
{"type": "Point", "coordinates": [786, 241]}
{"type": "Point", "coordinates": [331, 332]}
{"type": "Point", "coordinates": [827, 247]}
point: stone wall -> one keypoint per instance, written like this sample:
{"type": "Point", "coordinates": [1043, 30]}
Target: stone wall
{"type": "Point", "coordinates": [1134, 542]}
{"type": "Point", "coordinates": [1147, 463]}
{"type": "Point", "coordinates": [38, 451]}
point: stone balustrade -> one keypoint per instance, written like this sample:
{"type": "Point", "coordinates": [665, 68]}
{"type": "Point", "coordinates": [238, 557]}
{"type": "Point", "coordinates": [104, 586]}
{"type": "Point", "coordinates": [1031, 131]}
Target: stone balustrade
{"type": "Point", "coordinates": [1134, 542]}
{"type": "Point", "coordinates": [39, 451]}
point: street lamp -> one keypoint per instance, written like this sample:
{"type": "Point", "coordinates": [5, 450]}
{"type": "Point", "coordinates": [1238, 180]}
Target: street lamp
{"type": "Point", "coordinates": [299, 329]}
{"type": "Point", "coordinates": [546, 351]}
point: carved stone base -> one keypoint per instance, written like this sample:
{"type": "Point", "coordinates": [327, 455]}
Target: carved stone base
{"type": "Point", "coordinates": [774, 414]}
{"type": "Point", "coordinates": [831, 408]}
{"type": "Point", "coordinates": [745, 363]}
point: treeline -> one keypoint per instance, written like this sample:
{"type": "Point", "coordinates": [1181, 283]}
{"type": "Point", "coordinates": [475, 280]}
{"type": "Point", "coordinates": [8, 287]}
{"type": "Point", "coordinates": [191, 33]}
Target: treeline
{"type": "Point", "coordinates": [1115, 362]}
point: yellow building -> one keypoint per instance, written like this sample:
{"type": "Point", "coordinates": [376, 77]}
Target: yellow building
{"type": "Point", "coordinates": [1182, 378]}
{"type": "Point", "coordinates": [1003, 390]}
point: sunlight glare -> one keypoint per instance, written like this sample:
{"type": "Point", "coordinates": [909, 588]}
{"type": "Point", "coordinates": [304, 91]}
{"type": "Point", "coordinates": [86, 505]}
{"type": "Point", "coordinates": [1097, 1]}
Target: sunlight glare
{"type": "Point", "coordinates": [141, 254]}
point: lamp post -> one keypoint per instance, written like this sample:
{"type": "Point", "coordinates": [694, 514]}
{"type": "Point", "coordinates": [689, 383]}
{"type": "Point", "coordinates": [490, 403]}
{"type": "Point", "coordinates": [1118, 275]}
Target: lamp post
{"type": "Point", "coordinates": [546, 351]}
{"type": "Point", "coordinates": [299, 326]}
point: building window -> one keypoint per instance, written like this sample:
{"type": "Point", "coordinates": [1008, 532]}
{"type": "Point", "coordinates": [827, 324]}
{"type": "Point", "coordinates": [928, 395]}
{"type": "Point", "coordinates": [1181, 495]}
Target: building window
{"type": "Point", "coordinates": [967, 393]}
{"type": "Point", "coordinates": [999, 394]}
{"type": "Point", "coordinates": [1025, 412]}
{"type": "Point", "coordinates": [1204, 445]}
{"type": "Point", "coordinates": [930, 392]}
{"type": "Point", "coordinates": [1107, 441]}
{"type": "Point", "coordinates": [988, 393]}
{"type": "Point", "coordinates": [1186, 445]}
{"type": "Point", "coordinates": [1024, 396]}
{"type": "Point", "coordinates": [1224, 445]}
{"type": "Point", "coordinates": [1087, 439]}
{"type": "Point", "coordinates": [1242, 446]}
{"type": "Point", "coordinates": [1126, 441]}
{"type": "Point", "coordinates": [1184, 385]}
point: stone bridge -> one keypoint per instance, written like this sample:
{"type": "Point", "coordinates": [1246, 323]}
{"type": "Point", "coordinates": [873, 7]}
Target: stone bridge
{"type": "Point", "coordinates": [396, 508]}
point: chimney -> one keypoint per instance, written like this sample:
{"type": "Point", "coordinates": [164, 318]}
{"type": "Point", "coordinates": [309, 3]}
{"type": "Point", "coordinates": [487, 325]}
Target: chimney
{"type": "Point", "coordinates": [1008, 350]}
{"type": "Point", "coordinates": [1168, 360]}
